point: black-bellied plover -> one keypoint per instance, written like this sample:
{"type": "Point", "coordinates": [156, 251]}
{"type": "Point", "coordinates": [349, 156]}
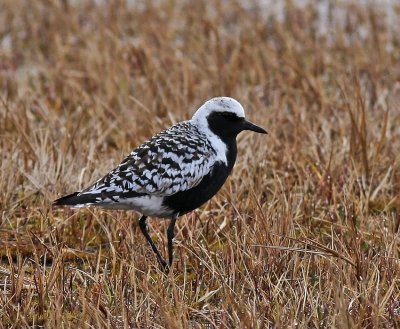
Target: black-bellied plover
{"type": "Point", "coordinates": [174, 172]}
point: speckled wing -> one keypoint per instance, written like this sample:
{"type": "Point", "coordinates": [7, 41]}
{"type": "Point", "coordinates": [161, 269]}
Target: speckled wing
{"type": "Point", "coordinates": [174, 160]}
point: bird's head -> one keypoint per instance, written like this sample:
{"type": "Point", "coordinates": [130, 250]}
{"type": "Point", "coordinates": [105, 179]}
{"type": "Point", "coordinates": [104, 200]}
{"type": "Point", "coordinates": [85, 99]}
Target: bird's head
{"type": "Point", "coordinates": [225, 117]}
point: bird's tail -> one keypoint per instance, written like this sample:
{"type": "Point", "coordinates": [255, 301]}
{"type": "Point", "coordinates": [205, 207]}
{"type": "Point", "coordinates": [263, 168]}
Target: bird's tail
{"type": "Point", "coordinates": [75, 200]}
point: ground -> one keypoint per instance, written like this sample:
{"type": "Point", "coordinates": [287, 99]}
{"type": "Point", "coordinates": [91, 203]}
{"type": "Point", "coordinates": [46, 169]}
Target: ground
{"type": "Point", "coordinates": [304, 234]}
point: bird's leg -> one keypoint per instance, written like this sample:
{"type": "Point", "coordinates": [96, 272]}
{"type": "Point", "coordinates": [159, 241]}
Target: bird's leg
{"type": "Point", "coordinates": [145, 231]}
{"type": "Point", "coordinates": [170, 236]}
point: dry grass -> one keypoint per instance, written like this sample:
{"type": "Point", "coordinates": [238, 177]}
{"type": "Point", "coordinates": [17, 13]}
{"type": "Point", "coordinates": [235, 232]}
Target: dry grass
{"type": "Point", "coordinates": [304, 234]}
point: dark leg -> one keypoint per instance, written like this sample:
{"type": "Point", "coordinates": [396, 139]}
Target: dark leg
{"type": "Point", "coordinates": [170, 236]}
{"type": "Point", "coordinates": [145, 231]}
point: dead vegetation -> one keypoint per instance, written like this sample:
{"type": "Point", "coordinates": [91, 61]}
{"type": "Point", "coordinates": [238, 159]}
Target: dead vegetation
{"type": "Point", "coordinates": [304, 234]}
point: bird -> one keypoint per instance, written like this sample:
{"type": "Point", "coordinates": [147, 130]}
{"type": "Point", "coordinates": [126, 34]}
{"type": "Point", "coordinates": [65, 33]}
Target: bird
{"type": "Point", "coordinates": [174, 172]}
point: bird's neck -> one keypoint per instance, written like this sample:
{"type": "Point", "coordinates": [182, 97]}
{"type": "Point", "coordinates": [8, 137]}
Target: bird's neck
{"type": "Point", "coordinates": [226, 147]}
{"type": "Point", "coordinates": [224, 144]}
{"type": "Point", "coordinates": [231, 152]}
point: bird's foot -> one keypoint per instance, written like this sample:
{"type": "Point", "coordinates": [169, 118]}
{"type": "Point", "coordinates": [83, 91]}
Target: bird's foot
{"type": "Point", "coordinates": [164, 266]}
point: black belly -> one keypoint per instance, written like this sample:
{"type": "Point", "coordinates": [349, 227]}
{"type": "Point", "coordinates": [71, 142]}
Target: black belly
{"type": "Point", "coordinates": [184, 202]}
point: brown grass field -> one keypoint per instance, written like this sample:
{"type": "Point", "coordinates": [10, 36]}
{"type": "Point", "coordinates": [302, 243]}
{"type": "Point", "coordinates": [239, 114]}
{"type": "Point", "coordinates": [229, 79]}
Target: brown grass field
{"type": "Point", "coordinates": [304, 234]}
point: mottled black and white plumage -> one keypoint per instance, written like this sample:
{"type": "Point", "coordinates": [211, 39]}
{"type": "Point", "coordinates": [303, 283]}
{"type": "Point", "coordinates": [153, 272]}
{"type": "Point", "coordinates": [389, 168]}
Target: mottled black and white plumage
{"type": "Point", "coordinates": [174, 172]}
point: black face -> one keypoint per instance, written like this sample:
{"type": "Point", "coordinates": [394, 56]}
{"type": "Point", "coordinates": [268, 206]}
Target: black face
{"type": "Point", "coordinates": [228, 125]}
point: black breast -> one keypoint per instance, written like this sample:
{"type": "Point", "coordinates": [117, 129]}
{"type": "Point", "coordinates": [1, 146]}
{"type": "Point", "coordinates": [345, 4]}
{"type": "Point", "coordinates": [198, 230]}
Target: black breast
{"type": "Point", "coordinates": [186, 201]}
